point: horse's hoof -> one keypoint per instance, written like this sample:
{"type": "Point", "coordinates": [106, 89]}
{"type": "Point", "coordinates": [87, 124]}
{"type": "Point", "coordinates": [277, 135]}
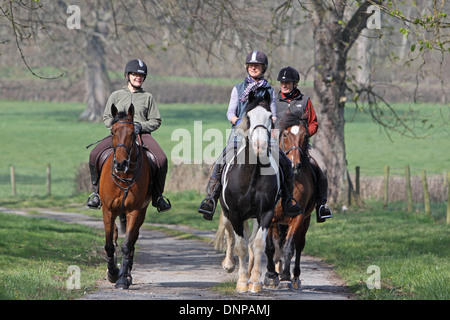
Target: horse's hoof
{"type": "Point", "coordinates": [122, 286]}
{"type": "Point", "coordinates": [296, 284]}
{"type": "Point", "coordinates": [241, 287]}
{"type": "Point", "coordinates": [255, 287]}
{"type": "Point", "coordinates": [285, 285]}
{"type": "Point", "coordinates": [228, 267]}
{"type": "Point", "coordinates": [122, 283]}
{"type": "Point", "coordinates": [271, 283]}
{"type": "Point", "coordinates": [112, 277]}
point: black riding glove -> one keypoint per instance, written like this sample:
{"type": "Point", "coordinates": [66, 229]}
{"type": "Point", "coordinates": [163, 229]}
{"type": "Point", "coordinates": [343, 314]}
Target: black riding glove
{"type": "Point", "coordinates": [137, 128]}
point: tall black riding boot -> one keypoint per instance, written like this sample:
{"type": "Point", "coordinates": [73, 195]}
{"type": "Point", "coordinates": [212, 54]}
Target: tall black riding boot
{"type": "Point", "coordinates": [208, 205]}
{"type": "Point", "coordinates": [323, 212]}
{"type": "Point", "coordinates": [160, 202]}
{"type": "Point", "coordinates": [94, 199]}
{"type": "Point", "coordinates": [289, 204]}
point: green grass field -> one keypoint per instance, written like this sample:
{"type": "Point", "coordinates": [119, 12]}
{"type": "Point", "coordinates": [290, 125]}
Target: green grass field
{"type": "Point", "coordinates": [411, 251]}
{"type": "Point", "coordinates": [35, 134]}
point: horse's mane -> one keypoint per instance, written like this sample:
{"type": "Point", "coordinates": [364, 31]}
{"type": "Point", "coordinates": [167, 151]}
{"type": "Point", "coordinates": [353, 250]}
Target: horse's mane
{"type": "Point", "coordinates": [120, 116]}
{"type": "Point", "coordinates": [252, 104]}
{"type": "Point", "coordinates": [257, 101]}
{"type": "Point", "coordinates": [291, 119]}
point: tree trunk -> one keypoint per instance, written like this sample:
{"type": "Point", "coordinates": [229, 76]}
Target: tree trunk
{"type": "Point", "coordinates": [96, 76]}
{"type": "Point", "coordinates": [329, 101]}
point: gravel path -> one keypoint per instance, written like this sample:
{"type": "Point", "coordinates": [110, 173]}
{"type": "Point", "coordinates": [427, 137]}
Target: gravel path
{"type": "Point", "coordinates": [167, 268]}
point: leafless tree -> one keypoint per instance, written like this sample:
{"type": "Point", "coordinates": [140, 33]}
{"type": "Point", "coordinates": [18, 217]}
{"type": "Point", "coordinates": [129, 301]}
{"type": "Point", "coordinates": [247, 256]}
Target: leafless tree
{"type": "Point", "coordinates": [220, 30]}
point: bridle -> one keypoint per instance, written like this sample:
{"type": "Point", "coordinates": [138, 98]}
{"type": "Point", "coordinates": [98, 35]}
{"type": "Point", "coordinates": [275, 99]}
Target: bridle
{"type": "Point", "coordinates": [128, 181]}
{"type": "Point", "coordinates": [128, 150]}
{"type": "Point", "coordinates": [302, 154]}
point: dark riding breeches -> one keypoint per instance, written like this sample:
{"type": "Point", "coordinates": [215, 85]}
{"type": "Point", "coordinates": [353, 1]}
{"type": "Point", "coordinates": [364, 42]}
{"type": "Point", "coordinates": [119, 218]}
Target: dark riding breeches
{"type": "Point", "coordinates": [152, 145]}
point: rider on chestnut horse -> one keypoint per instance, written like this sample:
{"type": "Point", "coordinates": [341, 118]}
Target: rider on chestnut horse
{"type": "Point", "coordinates": [147, 119]}
{"type": "Point", "coordinates": [290, 99]}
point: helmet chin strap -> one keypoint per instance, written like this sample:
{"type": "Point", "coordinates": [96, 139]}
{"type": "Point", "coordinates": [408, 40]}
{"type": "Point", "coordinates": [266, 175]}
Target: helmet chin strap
{"type": "Point", "coordinates": [135, 87]}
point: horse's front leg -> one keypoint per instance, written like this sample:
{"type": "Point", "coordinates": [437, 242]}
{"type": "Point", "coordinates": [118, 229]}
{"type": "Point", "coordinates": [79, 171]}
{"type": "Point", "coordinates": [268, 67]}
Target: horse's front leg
{"type": "Point", "coordinates": [299, 246]}
{"type": "Point", "coordinates": [110, 247]}
{"type": "Point", "coordinates": [258, 246]}
{"type": "Point", "coordinates": [288, 251]}
{"type": "Point", "coordinates": [134, 222]}
{"type": "Point", "coordinates": [271, 278]}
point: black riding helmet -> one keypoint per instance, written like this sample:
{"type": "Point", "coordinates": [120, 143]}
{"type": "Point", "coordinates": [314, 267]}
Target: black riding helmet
{"type": "Point", "coordinates": [258, 57]}
{"type": "Point", "coordinates": [135, 66]}
{"type": "Point", "coordinates": [288, 74]}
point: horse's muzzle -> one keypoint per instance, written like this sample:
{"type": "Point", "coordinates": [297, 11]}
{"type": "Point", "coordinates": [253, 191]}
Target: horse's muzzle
{"type": "Point", "coordinates": [260, 147]}
{"type": "Point", "coordinates": [122, 166]}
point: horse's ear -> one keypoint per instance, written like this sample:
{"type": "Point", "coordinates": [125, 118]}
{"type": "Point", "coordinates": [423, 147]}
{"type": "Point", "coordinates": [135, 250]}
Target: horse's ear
{"type": "Point", "coordinates": [267, 96]}
{"type": "Point", "coordinates": [113, 110]}
{"type": "Point", "coordinates": [131, 111]}
{"type": "Point", "coordinates": [251, 96]}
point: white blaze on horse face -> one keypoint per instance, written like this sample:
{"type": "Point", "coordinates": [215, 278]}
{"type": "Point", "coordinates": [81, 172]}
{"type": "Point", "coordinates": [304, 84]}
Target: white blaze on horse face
{"type": "Point", "coordinates": [260, 123]}
{"type": "Point", "coordinates": [295, 130]}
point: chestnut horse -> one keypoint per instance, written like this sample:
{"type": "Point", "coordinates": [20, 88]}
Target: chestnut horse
{"type": "Point", "coordinates": [287, 234]}
{"type": "Point", "coordinates": [251, 184]}
{"type": "Point", "coordinates": [125, 190]}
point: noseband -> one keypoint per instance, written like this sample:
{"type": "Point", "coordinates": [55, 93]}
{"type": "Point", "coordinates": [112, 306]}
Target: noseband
{"type": "Point", "coordinates": [260, 126]}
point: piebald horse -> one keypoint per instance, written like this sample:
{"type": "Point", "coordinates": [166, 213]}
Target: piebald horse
{"type": "Point", "coordinates": [251, 185]}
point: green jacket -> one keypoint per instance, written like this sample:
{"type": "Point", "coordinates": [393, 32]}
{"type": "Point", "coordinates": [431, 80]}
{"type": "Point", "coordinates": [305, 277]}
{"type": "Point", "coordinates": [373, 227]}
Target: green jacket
{"type": "Point", "coordinates": [145, 110]}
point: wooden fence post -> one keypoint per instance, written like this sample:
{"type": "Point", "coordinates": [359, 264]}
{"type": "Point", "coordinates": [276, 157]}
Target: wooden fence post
{"type": "Point", "coordinates": [48, 180]}
{"type": "Point", "coordinates": [357, 170]}
{"type": "Point", "coordinates": [448, 197]}
{"type": "Point", "coordinates": [408, 188]}
{"type": "Point", "coordinates": [426, 194]}
{"type": "Point", "coordinates": [13, 180]}
{"type": "Point", "coordinates": [386, 186]}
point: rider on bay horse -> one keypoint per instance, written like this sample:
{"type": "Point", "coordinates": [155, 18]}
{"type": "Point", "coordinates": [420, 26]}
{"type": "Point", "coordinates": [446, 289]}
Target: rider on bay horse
{"type": "Point", "coordinates": [256, 65]}
{"type": "Point", "coordinates": [147, 119]}
{"type": "Point", "coordinates": [291, 99]}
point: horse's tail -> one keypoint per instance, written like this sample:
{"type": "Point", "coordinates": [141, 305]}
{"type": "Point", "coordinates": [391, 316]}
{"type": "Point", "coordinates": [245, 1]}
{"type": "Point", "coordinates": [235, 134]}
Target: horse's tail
{"type": "Point", "coordinates": [226, 229]}
{"type": "Point", "coordinates": [123, 222]}
{"type": "Point", "coordinates": [219, 243]}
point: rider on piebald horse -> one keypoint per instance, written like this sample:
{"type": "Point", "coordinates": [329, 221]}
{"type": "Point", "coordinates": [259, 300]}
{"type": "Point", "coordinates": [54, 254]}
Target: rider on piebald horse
{"type": "Point", "coordinates": [256, 65]}
{"type": "Point", "coordinates": [147, 119]}
{"type": "Point", "coordinates": [291, 99]}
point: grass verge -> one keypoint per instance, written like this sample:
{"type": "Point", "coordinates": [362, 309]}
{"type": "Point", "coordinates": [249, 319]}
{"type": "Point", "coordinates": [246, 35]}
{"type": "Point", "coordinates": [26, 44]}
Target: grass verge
{"type": "Point", "coordinates": [35, 255]}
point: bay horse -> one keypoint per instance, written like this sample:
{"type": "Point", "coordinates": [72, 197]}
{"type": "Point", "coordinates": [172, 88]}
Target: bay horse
{"type": "Point", "coordinates": [125, 190]}
{"type": "Point", "coordinates": [287, 234]}
{"type": "Point", "coordinates": [251, 185]}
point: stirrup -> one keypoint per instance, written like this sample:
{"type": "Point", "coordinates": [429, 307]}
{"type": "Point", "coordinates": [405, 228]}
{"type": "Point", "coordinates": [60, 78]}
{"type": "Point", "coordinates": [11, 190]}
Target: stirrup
{"type": "Point", "coordinates": [167, 201]}
{"type": "Point", "coordinates": [207, 215]}
{"type": "Point", "coordinates": [90, 198]}
{"type": "Point", "coordinates": [323, 207]}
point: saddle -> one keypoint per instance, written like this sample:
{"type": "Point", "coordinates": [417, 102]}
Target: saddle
{"type": "Point", "coordinates": [152, 161]}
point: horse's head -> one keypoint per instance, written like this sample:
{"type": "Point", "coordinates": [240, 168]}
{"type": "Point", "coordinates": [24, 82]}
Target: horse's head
{"type": "Point", "coordinates": [294, 138]}
{"type": "Point", "coordinates": [257, 123]}
{"type": "Point", "coordinates": [123, 137]}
